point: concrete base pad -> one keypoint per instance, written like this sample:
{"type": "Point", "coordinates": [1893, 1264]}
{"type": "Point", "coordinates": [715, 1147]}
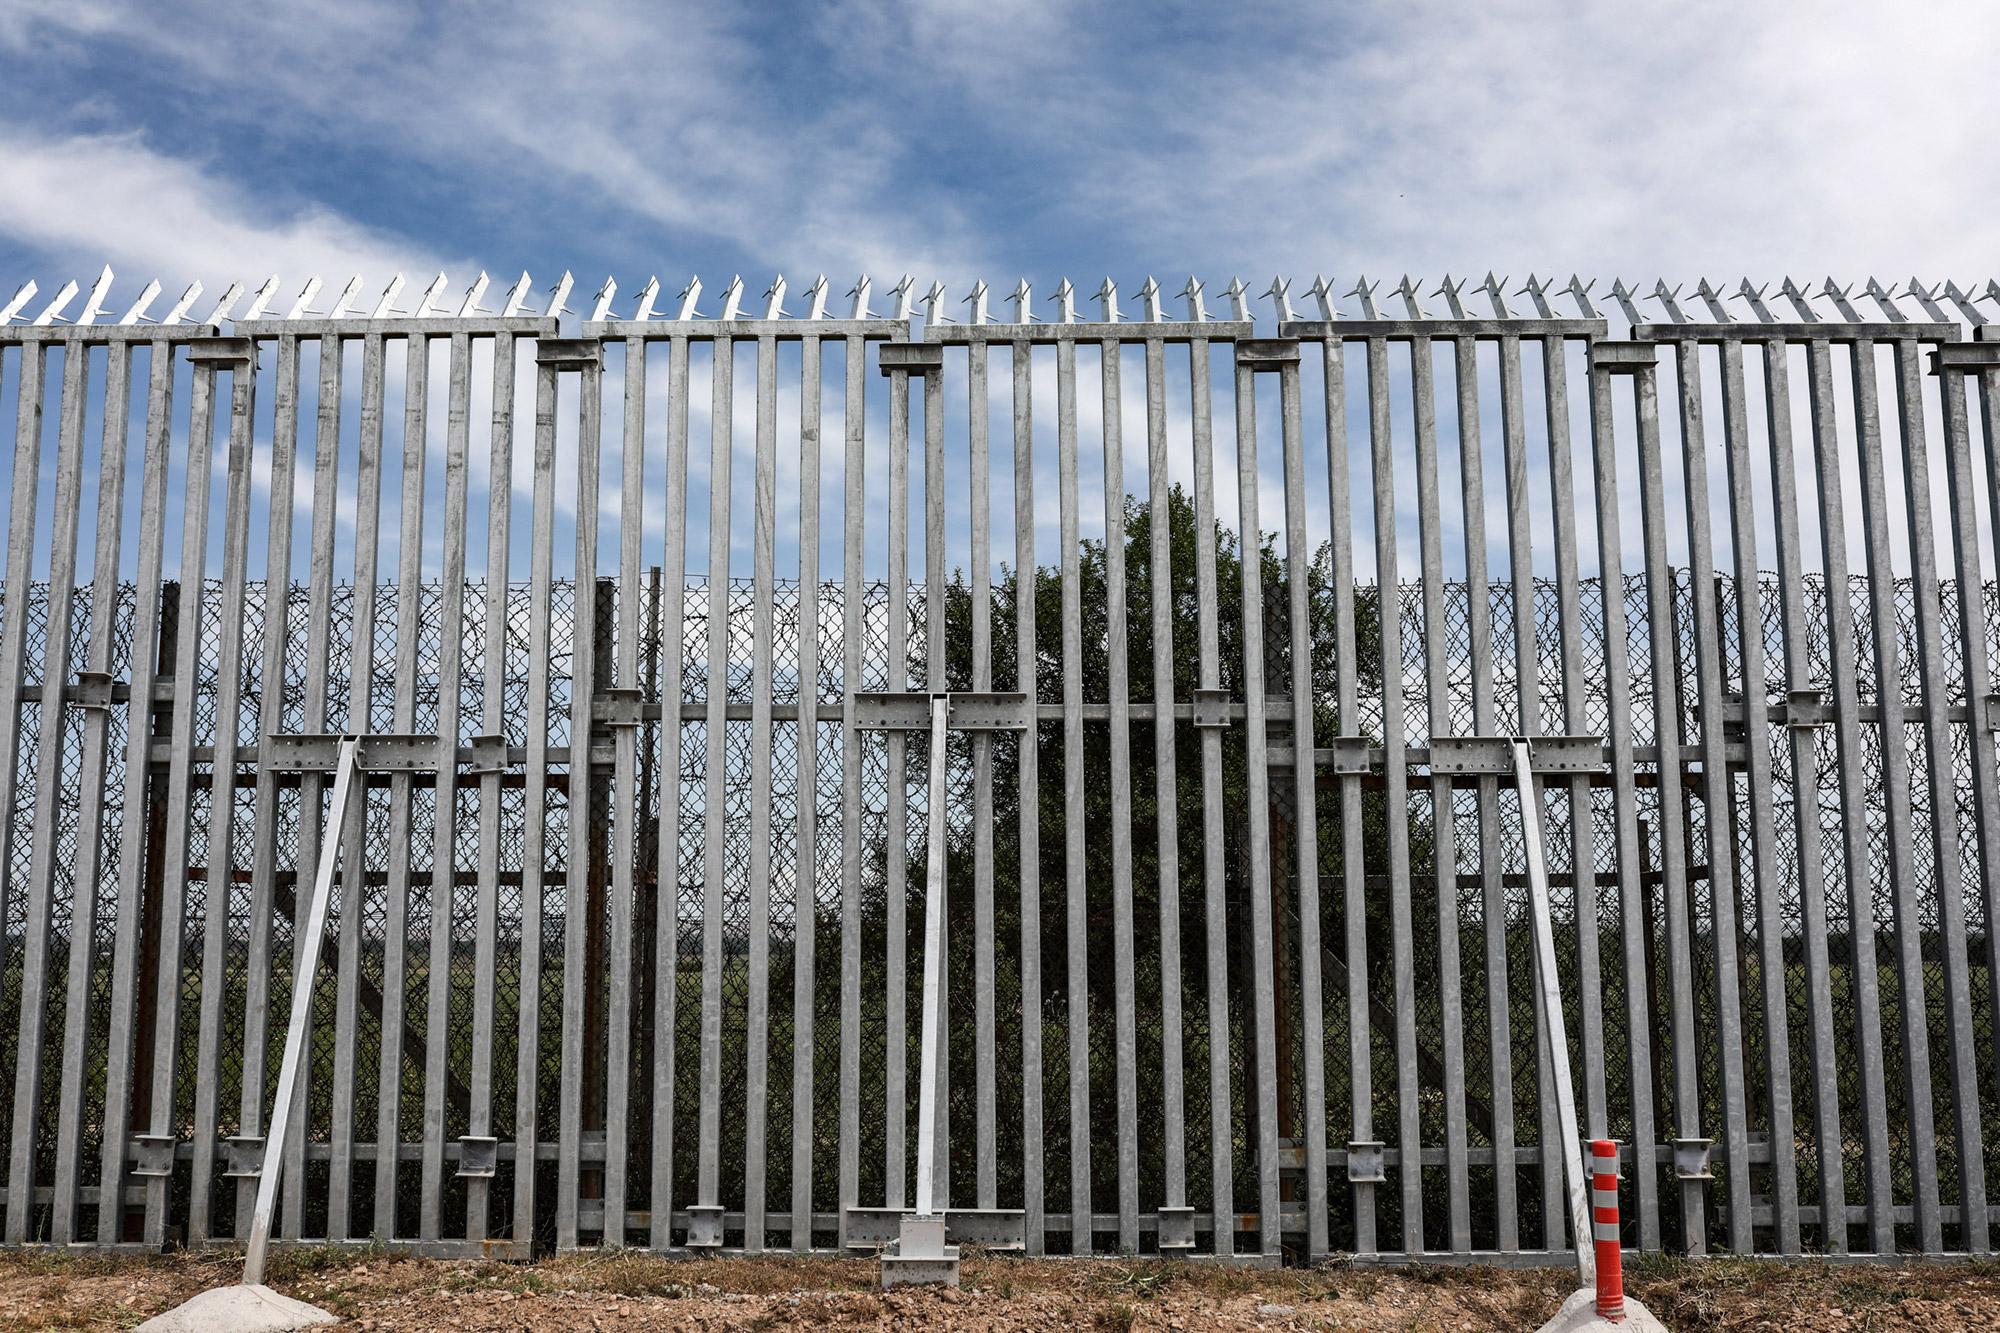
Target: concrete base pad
{"type": "Point", "coordinates": [238, 1309]}
{"type": "Point", "coordinates": [1579, 1315]}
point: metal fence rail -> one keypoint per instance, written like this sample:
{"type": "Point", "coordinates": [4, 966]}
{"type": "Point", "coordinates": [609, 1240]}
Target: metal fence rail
{"type": "Point", "coordinates": [1238, 949]}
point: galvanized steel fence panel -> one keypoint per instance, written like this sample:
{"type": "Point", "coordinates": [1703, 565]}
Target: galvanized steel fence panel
{"type": "Point", "coordinates": [1238, 953]}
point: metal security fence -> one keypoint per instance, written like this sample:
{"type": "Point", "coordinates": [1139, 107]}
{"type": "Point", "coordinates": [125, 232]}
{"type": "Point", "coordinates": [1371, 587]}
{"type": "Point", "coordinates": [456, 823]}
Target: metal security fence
{"type": "Point", "coordinates": [1238, 937]}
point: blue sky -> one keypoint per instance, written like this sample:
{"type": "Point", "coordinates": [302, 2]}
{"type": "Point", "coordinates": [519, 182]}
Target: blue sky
{"type": "Point", "coordinates": [1012, 138]}
{"type": "Point", "coordinates": [998, 139]}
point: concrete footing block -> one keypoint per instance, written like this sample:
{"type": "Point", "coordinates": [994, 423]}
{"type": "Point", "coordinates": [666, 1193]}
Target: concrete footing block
{"type": "Point", "coordinates": [920, 1255]}
{"type": "Point", "coordinates": [244, 1308]}
{"type": "Point", "coordinates": [1579, 1315]}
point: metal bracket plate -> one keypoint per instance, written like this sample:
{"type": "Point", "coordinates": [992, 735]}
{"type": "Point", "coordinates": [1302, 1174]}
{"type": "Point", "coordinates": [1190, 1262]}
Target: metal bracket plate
{"type": "Point", "coordinates": [1691, 1159]}
{"type": "Point", "coordinates": [1494, 755]}
{"type": "Point", "coordinates": [489, 755]}
{"type": "Point", "coordinates": [1267, 353]}
{"type": "Point", "coordinates": [1365, 1163]}
{"type": "Point", "coordinates": [620, 707]}
{"type": "Point", "coordinates": [1177, 1228]}
{"type": "Point", "coordinates": [704, 1226]}
{"type": "Point", "coordinates": [913, 358]}
{"type": "Point", "coordinates": [382, 753]}
{"type": "Point", "coordinates": [1211, 709]}
{"type": "Point", "coordinates": [966, 711]}
{"type": "Point", "coordinates": [1623, 358]}
{"type": "Point", "coordinates": [1350, 755]}
{"type": "Point", "coordinates": [244, 1155]}
{"type": "Point", "coordinates": [1807, 709]}
{"type": "Point", "coordinates": [92, 689]}
{"type": "Point", "coordinates": [221, 351]}
{"type": "Point", "coordinates": [478, 1156]}
{"type": "Point", "coordinates": [155, 1154]}
{"type": "Point", "coordinates": [1965, 356]}
{"type": "Point", "coordinates": [569, 353]}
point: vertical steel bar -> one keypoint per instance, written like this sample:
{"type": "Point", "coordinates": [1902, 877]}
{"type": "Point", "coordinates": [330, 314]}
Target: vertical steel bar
{"type": "Point", "coordinates": [1855, 816]}
{"type": "Point", "coordinates": [1257, 756]}
{"type": "Point", "coordinates": [722, 402]}
{"type": "Point", "coordinates": [353, 879]}
{"type": "Point", "coordinates": [1479, 625]}
{"type": "Point", "coordinates": [119, 1113]}
{"type": "Point", "coordinates": [271, 701]}
{"type": "Point", "coordinates": [896, 676]}
{"type": "Point", "coordinates": [1125, 1024]}
{"type": "Point", "coordinates": [628, 802]}
{"type": "Point", "coordinates": [65, 519]}
{"type": "Point", "coordinates": [805, 856]}
{"type": "Point", "coordinates": [978, 455]}
{"type": "Point", "coordinates": [1444, 837]}
{"type": "Point", "coordinates": [534, 839]}
{"type": "Point", "coordinates": [1353, 873]}
{"type": "Point", "coordinates": [492, 722]}
{"type": "Point", "coordinates": [93, 784]}
{"type": "Point", "coordinates": [1807, 823]}
{"type": "Point", "coordinates": [1076, 923]}
{"type": "Point", "coordinates": [1717, 788]}
{"type": "Point", "coordinates": [439, 973]}
{"type": "Point", "coordinates": [1028, 679]}
{"type": "Point", "coordinates": [763, 547]}
{"type": "Point", "coordinates": [29, 393]}
{"type": "Point", "coordinates": [933, 991]}
{"type": "Point", "coordinates": [667, 921]}
{"type": "Point", "coordinates": [854, 520]}
{"type": "Point", "coordinates": [934, 680]}
{"type": "Point", "coordinates": [1528, 722]}
{"type": "Point", "coordinates": [1305, 816]}
{"type": "Point", "coordinates": [1978, 663]}
{"type": "Point", "coordinates": [1395, 729]}
{"type": "Point", "coordinates": [1166, 789]}
{"type": "Point", "coordinates": [1214, 882]}
{"type": "Point", "coordinates": [1745, 520]}
{"type": "Point", "coordinates": [222, 798]}
{"type": "Point", "coordinates": [1939, 746]}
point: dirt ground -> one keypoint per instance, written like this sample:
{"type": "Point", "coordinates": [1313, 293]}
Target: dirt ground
{"type": "Point", "coordinates": [386, 1293]}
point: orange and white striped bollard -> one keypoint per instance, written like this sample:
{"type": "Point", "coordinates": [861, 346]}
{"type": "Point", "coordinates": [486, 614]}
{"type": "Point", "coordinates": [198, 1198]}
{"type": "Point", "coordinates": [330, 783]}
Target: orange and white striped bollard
{"type": "Point", "coordinates": [1604, 1229]}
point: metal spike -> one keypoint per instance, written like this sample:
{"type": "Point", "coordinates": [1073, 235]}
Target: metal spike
{"type": "Point", "coordinates": [1537, 291]}
{"type": "Point", "coordinates": [977, 300]}
{"type": "Point", "coordinates": [53, 310]}
{"type": "Point", "coordinates": [1280, 292]}
{"type": "Point", "coordinates": [340, 308]}
{"type": "Point", "coordinates": [900, 311]}
{"type": "Point", "coordinates": [431, 294]}
{"type": "Point", "coordinates": [1496, 294]}
{"type": "Point", "coordinates": [1197, 313]}
{"type": "Point", "coordinates": [601, 303]}
{"type": "Point", "coordinates": [298, 310]}
{"type": "Point", "coordinates": [22, 295]}
{"type": "Point", "coordinates": [1838, 295]}
{"type": "Point", "coordinates": [221, 311]}
{"type": "Point", "coordinates": [816, 298]}
{"type": "Point", "coordinates": [470, 305]}
{"type": "Point", "coordinates": [1801, 302]}
{"type": "Point", "coordinates": [774, 298]}
{"type": "Point", "coordinates": [1149, 301]}
{"type": "Point", "coordinates": [932, 300]}
{"type": "Point", "coordinates": [1928, 300]}
{"type": "Point", "coordinates": [1713, 300]}
{"type": "Point", "coordinates": [1963, 300]}
{"type": "Point", "coordinates": [517, 296]}
{"type": "Point", "coordinates": [1671, 301]}
{"type": "Point", "coordinates": [138, 310]}
{"type": "Point", "coordinates": [559, 296]}
{"type": "Point", "coordinates": [860, 292]}
{"type": "Point", "coordinates": [1239, 300]}
{"type": "Point", "coordinates": [1454, 296]}
{"type": "Point", "coordinates": [1628, 301]}
{"type": "Point", "coordinates": [1107, 301]}
{"type": "Point", "coordinates": [1407, 289]}
{"type": "Point", "coordinates": [1880, 295]}
{"type": "Point", "coordinates": [647, 295]}
{"type": "Point", "coordinates": [688, 296]}
{"type": "Point", "coordinates": [1579, 291]}
{"type": "Point", "coordinates": [180, 309]}
{"type": "Point", "coordinates": [732, 300]}
{"type": "Point", "coordinates": [92, 307]}
{"type": "Point", "coordinates": [1022, 297]}
{"type": "Point", "coordinates": [1992, 292]}
{"type": "Point", "coordinates": [1364, 291]}
{"type": "Point", "coordinates": [1065, 302]}
{"type": "Point", "coordinates": [262, 300]}
{"type": "Point", "coordinates": [1754, 298]}
{"type": "Point", "coordinates": [389, 295]}
{"type": "Point", "coordinates": [1322, 292]}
